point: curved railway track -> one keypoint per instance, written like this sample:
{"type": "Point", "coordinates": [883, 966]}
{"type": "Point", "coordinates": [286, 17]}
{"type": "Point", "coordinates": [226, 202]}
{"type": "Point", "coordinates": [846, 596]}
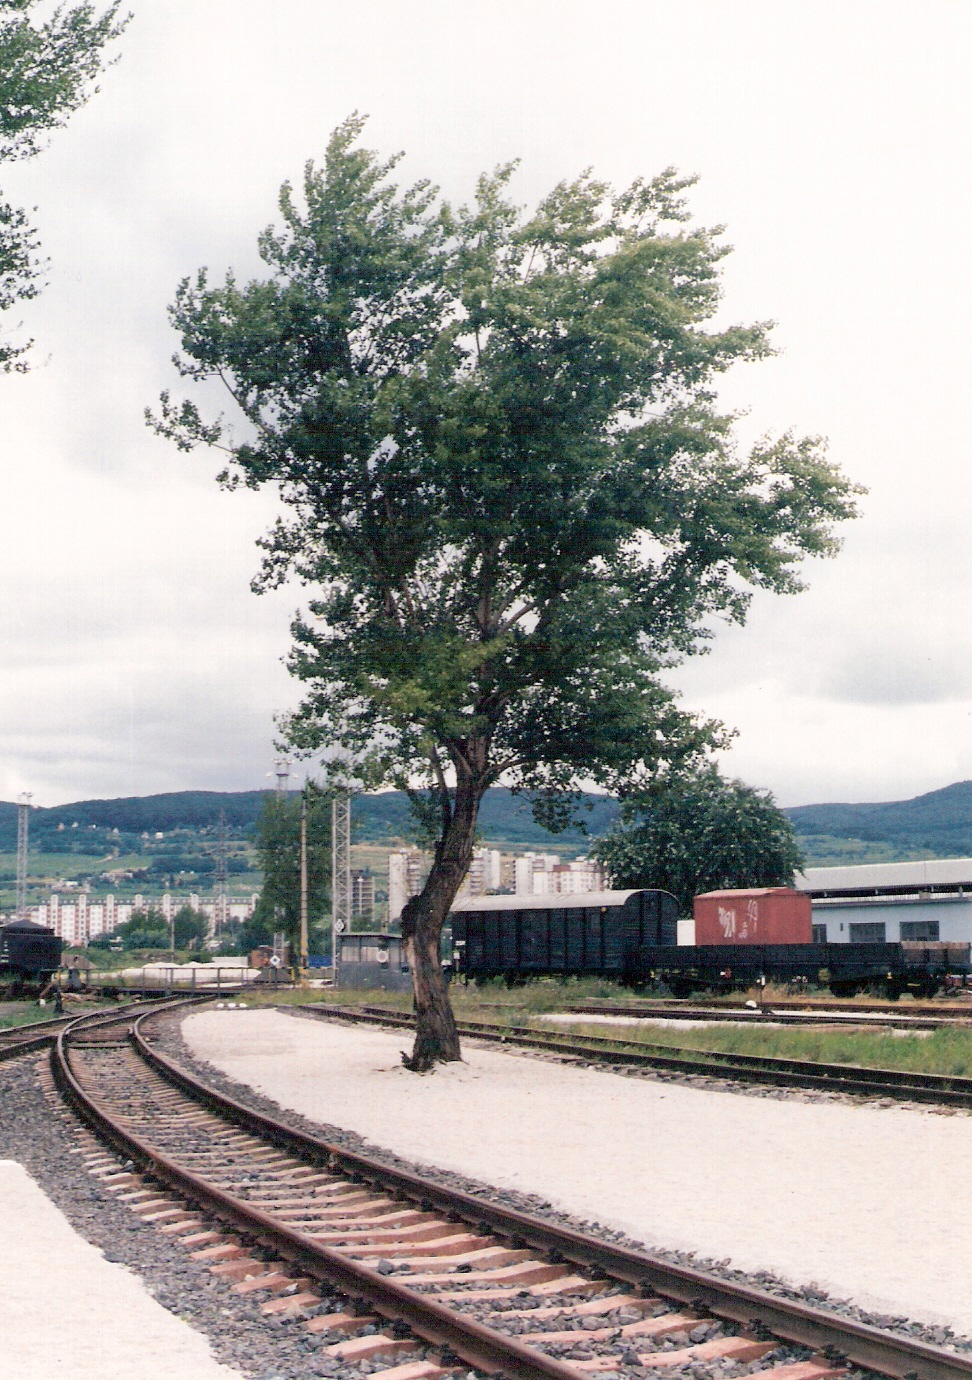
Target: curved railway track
{"type": "Point", "coordinates": [24, 1039]}
{"type": "Point", "coordinates": [779, 1013]}
{"type": "Point", "coordinates": [433, 1280]}
{"type": "Point", "coordinates": [767, 1070]}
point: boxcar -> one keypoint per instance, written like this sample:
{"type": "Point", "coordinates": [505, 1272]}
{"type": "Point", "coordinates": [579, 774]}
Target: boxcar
{"type": "Point", "coordinates": [28, 951]}
{"type": "Point", "coordinates": [600, 933]}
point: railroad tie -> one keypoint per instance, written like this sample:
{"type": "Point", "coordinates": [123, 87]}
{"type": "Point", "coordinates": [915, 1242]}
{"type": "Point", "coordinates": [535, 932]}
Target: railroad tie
{"type": "Point", "coordinates": [366, 1347]}
{"type": "Point", "coordinates": [342, 1322]}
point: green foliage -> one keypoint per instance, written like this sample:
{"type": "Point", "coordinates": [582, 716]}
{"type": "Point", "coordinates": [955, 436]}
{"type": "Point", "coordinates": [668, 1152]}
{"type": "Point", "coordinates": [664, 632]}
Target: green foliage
{"type": "Point", "coordinates": [278, 848]}
{"type": "Point", "coordinates": [940, 821]}
{"type": "Point", "coordinates": [700, 834]}
{"type": "Point", "coordinates": [147, 929]}
{"type": "Point", "coordinates": [822, 850]}
{"type": "Point", "coordinates": [47, 71]}
{"type": "Point", "coordinates": [189, 928]}
{"type": "Point", "coordinates": [506, 477]}
{"type": "Point", "coordinates": [377, 817]}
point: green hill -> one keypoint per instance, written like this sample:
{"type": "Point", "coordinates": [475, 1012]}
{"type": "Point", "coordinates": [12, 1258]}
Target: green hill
{"type": "Point", "coordinates": [938, 824]}
{"type": "Point", "coordinates": [935, 825]}
{"type": "Point", "coordinates": [96, 826]}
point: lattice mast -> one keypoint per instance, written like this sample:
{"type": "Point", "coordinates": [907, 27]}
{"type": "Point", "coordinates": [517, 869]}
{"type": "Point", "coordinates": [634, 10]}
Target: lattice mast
{"type": "Point", "coordinates": [340, 872]}
{"type": "Point", "coordinates": [220, 909]}
{"type": "Point", "coordinates": [23, 827]}
{"type": "Point", "coordinates": [281, 770]}
{"type": "Point", "coordinates": [304, 933]}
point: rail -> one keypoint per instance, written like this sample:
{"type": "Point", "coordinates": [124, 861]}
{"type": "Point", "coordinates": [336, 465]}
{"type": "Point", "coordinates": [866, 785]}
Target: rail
{"type": "Point", "coordinates": [940, 1089]}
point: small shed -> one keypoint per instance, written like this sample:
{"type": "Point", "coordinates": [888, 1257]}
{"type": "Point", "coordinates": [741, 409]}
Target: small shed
{"type": "Point", "coordinates": [368, 959]}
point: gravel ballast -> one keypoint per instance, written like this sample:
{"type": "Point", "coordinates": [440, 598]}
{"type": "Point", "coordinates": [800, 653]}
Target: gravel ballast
{"type": "Point", "coordinates": [42, 1136]}
{"type": "Point", "coordinates": [835, 1197]}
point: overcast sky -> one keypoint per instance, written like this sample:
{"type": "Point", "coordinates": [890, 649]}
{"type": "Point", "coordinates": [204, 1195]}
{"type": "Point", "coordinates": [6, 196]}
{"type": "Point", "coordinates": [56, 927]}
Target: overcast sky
{"type": "Point", "coordinates": [830, 139]}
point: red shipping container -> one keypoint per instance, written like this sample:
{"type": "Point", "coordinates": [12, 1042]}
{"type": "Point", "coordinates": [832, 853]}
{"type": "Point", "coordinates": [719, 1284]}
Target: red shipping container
{"type": "Point", "coordinates": [767, 915]}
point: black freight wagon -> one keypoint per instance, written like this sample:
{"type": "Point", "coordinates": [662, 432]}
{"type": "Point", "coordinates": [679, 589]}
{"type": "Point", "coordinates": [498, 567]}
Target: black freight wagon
{"type": "Point", "coordinates": [28, 951]}
{"type": "Point", "coordinates": [600, 933]}
{"type": "Point", "coordinates": [631, 936]}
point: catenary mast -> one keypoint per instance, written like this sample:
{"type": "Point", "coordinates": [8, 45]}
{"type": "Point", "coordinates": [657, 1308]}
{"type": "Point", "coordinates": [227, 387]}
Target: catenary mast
{"type": "Point", "coordinates": [340, 872]}
{"type": "Point", "coordinates": [23, 825]}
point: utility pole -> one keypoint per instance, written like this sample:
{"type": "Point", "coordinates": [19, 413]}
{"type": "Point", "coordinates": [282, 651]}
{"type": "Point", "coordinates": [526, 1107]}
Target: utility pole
{"type": "Point", "coordinates": [23, 825]}
{"type": "Point", "coordinates": [304, 941]}
{"type": "Point", "coordinates": [340, 873]}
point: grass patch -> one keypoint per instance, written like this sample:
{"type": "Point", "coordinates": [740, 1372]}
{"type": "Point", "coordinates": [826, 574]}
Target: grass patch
{"type": "Point", "coordinates": [945, 1051]}
{"type": "Point", "coordinates": [17, 1013]}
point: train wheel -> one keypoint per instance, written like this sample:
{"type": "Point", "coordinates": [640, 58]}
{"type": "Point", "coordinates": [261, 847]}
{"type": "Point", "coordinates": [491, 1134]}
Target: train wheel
{"type": "Point", "coordinates": [843, 988]}
{"type": "Point", "coordinates": [925, 987]}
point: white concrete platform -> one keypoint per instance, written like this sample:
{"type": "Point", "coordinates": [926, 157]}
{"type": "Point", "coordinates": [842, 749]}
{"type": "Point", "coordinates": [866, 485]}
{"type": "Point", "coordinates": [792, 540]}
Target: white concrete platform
{"type": "Point", "coordinates": [870, 1203]}
{"type": "Point", "coordinates": [68, 1312]}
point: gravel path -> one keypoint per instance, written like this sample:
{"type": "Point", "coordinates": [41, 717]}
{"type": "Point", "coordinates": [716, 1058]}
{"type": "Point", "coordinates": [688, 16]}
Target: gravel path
{"type": "Point", "coordinates": [832, 1196]}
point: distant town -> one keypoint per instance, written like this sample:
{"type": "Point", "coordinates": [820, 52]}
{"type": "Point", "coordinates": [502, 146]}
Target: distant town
{"type": "Point", "coordinates": [79, 917]}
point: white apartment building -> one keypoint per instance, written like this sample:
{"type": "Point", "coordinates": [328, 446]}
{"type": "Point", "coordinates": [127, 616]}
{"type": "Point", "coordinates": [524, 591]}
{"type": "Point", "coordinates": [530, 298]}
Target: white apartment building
{"type": "Point", "coordinates": [484, 875]}
{"type": "Point", "coordinates": [407, 871]}
{"type": "Point", "coordinates": [529, 866]}
{"type": "Point", "coordinates": [81, 919]}
{"type": "Point", "coordinates": [543, 874]}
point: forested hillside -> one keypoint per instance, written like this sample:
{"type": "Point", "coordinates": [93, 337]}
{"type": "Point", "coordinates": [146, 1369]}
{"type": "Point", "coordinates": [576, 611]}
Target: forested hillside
{"type": "Point", "coordinates": [938, 824]}
{"type": "Point", "coordinates": [88, 826]}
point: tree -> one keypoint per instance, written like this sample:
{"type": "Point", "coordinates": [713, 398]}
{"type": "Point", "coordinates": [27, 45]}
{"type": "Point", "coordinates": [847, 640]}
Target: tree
{"type": "Point", "coordinates": [507, 482]}
{"type": "Point", "coordinates": [147, 929]}
{"type": "Point", "coordinates": [700, 834]}
{"type": "Point", "coordinates": [189, 928]}
{"type": "Point", "coordinates": [47, 71]}
{"type": "Point", "coordinates": [278, 849]}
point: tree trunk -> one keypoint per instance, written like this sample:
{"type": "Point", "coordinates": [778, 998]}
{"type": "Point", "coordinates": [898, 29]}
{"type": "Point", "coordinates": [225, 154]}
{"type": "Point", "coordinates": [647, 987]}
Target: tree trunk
{"type": "Point", "coordinates": [436, 1036]}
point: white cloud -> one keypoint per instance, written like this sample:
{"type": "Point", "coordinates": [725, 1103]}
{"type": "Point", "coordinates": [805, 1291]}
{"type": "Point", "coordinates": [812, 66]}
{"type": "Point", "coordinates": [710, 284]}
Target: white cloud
{"type": "Point", "coordinates": [831, 139]}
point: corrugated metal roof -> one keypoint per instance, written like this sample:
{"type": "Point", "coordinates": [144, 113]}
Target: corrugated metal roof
{"type": "Point", "coordinates": [556, 902]}
{"type": "Point", "coordinates": [928, 872]}
{"type": "Point", "coordinates": [740, 892]}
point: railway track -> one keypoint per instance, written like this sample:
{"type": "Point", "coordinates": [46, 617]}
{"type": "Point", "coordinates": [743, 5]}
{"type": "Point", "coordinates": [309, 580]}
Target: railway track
{"type": "Point", "coordinates": [938, 1089]}
{"type": "Point", "coordinates": [777, 1014]}
{"type": "Point", "coordinates": [416, 1279]}
{"type": "Point", "coordinates": [25, 1039]}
